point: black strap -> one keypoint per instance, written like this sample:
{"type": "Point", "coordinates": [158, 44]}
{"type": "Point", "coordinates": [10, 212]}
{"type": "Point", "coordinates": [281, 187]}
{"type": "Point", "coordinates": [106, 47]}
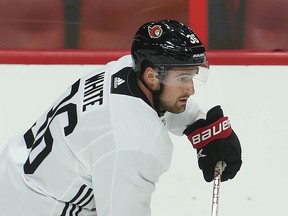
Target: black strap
{"type": "Point", "coordinates": [72, 14]}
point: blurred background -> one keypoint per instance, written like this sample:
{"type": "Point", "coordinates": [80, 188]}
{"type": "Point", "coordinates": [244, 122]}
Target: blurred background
{"type": "Point", "coordinates": [251, 92]}
{"type": "Point", "coordinates": [111, 24]}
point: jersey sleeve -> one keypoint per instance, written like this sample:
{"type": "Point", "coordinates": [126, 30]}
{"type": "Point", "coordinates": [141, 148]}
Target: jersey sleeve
{"type": "Point", "coordinates": [177, 123]}
{"type": "Point", "coordinates": [124, 183]}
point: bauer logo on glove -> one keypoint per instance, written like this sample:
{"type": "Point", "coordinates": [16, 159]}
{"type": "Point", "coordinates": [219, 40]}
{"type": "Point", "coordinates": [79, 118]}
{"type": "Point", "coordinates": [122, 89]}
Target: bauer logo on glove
{"type": "Point", "coordinates": [202, 136]}
{"type": "Point", "coordinates": [214, 138]}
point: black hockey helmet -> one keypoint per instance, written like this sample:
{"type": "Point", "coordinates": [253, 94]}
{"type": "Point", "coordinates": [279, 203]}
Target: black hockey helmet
{"type": "Point", "coordinates": [165, 44]}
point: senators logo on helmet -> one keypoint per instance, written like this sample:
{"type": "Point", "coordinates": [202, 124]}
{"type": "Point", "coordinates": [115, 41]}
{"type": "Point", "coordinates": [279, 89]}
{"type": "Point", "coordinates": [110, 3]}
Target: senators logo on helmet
{"type": "Point", "coordinates": [155, 31]}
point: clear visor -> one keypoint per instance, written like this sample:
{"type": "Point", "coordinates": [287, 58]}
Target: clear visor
{"type": "Point", "coordinates": [184, 75]}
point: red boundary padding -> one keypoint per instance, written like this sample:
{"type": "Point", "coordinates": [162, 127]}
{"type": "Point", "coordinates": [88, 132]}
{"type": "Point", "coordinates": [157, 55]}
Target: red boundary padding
{"type": "Point", "coordinates": [246, 57]}
{"type": "Point", "coordinates": [58, 56]}
{"type": "Point", "coordinates": [215, 57]}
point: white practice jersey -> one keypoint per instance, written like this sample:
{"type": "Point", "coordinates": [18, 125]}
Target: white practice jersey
{"type": "Point", "coordinates": [98, 150]}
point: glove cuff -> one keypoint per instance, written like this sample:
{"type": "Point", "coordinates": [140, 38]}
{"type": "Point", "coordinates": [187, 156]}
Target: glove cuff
{"type": "Point", "coordinates": [220, 129]}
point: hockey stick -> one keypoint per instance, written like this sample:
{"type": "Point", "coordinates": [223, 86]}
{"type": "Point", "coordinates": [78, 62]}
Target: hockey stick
{"type": "Point", "coordinates": [220, 166]}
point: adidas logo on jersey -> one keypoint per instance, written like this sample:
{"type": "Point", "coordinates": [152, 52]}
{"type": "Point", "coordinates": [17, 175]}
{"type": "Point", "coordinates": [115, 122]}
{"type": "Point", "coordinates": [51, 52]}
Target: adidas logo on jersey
{"type": "Point", "coordinates": [118, 81]}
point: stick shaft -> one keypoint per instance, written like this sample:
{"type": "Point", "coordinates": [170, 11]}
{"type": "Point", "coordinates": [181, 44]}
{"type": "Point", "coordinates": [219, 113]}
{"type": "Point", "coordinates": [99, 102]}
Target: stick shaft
{"type": "Point", "coordinates": [216, 187]}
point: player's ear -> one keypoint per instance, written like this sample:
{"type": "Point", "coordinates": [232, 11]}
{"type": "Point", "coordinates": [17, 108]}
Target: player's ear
{"type": "Point", "coordinates": [150, 78]}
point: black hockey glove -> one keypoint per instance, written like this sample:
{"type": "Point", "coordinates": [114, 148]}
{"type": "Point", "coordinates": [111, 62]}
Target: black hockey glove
{"type": "Point", "coordinates": [215, 141]}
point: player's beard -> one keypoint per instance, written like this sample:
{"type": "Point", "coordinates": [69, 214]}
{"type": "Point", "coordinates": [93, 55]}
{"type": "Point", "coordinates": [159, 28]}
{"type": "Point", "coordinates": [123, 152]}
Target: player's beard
{"type": "Point", "coordinates": [174, 106]}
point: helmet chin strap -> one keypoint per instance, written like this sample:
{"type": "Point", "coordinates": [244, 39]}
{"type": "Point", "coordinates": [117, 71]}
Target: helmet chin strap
{"type": "Point", "coordinates": [155, 94]}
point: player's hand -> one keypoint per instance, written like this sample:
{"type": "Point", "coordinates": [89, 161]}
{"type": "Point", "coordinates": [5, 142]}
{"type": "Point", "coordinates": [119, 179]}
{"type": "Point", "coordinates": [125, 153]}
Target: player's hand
{"type": "Point", "coordinates": [215, 141]}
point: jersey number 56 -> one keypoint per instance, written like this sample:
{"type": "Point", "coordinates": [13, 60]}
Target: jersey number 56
{"type": "Point", "coordinates": [43, 135]}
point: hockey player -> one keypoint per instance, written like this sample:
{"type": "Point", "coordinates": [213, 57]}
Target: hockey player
{"type": "Point", "coordinates": [101, 147]}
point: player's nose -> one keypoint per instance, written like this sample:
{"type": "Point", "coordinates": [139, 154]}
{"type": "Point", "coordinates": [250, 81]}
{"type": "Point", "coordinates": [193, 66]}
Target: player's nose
{"type": "Point", "coordinates": [190, 88]}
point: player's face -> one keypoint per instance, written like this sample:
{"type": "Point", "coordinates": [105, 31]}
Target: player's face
{"type": "Point", "coordinates": [178, 86]}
